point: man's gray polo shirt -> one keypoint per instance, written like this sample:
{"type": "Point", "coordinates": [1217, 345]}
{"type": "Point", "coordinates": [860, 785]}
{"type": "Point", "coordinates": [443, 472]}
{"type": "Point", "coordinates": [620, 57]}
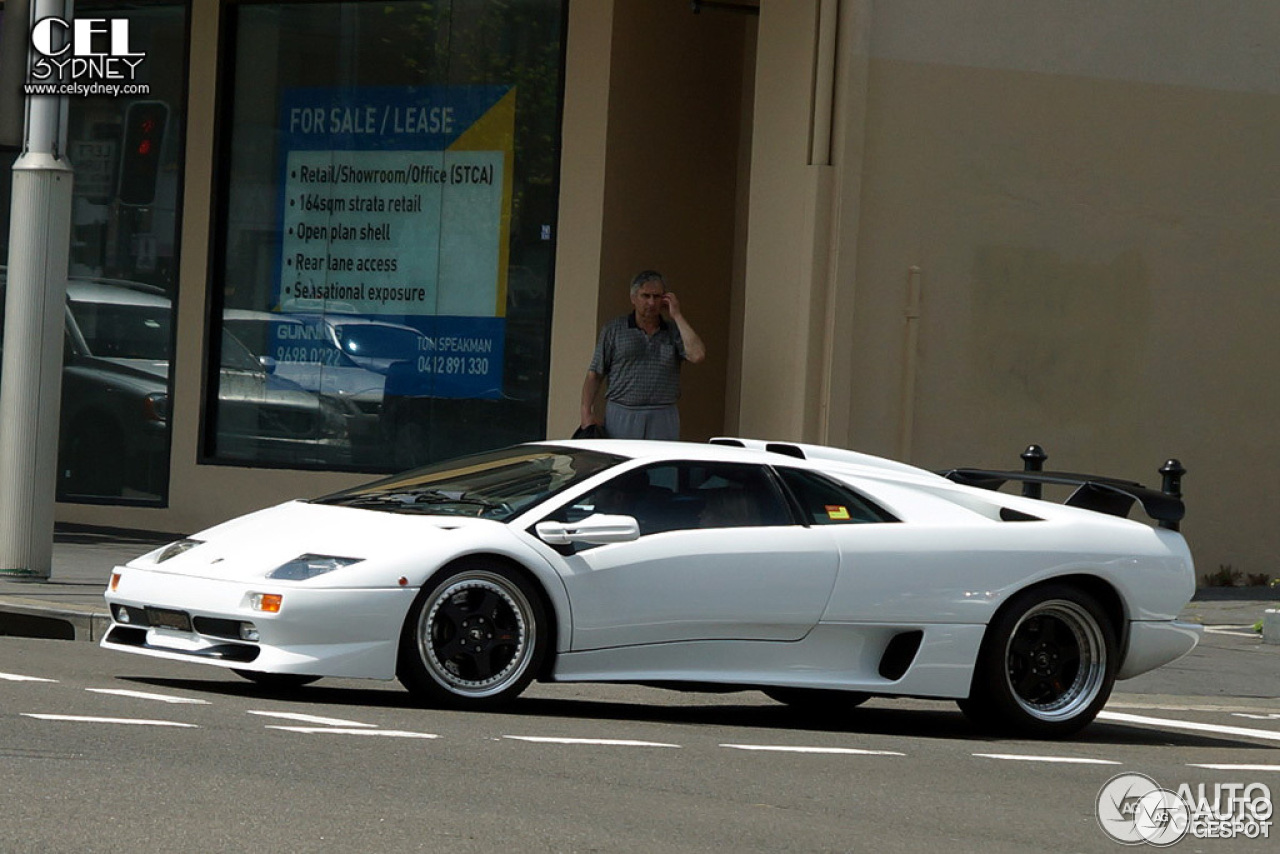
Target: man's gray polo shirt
{"type": "Point", "coordinates": [643, 370]}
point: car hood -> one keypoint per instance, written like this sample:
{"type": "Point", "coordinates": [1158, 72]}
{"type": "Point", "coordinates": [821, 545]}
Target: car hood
{"type": "Point", "coordinates": [387, 546]}
{"type": "Point", "coordinates": [149, 367]}
{"type": "Point", "coordinates": [141, 375]}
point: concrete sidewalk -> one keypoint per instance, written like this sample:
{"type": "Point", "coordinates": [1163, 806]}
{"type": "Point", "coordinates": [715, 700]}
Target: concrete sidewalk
{"type": "Point", "coordinates": [69, 604]}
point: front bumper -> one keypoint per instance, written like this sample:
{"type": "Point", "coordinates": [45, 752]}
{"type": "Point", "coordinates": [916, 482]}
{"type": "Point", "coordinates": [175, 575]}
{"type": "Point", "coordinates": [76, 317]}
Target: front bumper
{"type": "Point", "coordinates": [317, 631]}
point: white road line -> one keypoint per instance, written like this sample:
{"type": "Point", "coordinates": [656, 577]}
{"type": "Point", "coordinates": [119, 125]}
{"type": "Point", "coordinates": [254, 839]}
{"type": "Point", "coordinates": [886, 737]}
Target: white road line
{"type": "Point", "coordinates": [1244, 631]}
{"type": "Point", "coordinates": [1191, 707]}
{"type": "Point", "coordinates": [1071, 760]}
{"type": "Point", "coordinates": [1189, 725]}
{"type": "Point", "coordinates": [1253, 717]}
{"type": "Point", "coordinates": [783, 748]}
{"type": "Point", "coordinates": [383, 733]}
{"type": "Point", "coordinates": [141, 695]}
{"type": "Point", "coordinates": [312, 719]}
{"type": "Point", "coordinates": [1213, 767]}
{"type": "Point", "coordinates": [92, 720]}
{"type": "Point", "coordinates": [14, 677]}
{"type": "Point", "coordinates": [606, 742]}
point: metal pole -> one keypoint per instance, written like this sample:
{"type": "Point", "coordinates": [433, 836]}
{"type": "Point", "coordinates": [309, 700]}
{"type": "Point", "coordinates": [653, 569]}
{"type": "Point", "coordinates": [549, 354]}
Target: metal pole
{"type": "Point", "coordinates": [35, 303]}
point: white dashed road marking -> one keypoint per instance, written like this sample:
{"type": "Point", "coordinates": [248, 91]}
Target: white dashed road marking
{"type": "Point", "coordinates": [1213, 767]}
{"type": "Point", "coordinates": [606, 742]}
{"type": "Point", "coordinates": [141, 695]}
{"type": "Point", "coordinates": [14, 677]}
{"type": "Point", "coordinates": [312, 719]}
{"type": "Point", "coordinates": [1239, 631]}
{"type": "Point", "coordinates": [782, 748]}
{"type": "Point", "coordinates": [1118, 717]}
{"type": "Point", "coordinates": [384, 733]}
{"type": "Point", "coordinates": [94, 720]}
{"type": "Point", "coordinates": [1073, 760]}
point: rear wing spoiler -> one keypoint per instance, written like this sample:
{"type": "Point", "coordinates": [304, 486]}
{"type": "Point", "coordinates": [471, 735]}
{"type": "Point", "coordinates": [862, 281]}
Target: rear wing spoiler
{"type": "Point", "coordinates": [1101, 494]}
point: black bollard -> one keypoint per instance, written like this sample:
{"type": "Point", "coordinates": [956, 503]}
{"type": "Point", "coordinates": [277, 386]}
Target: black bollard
{"type": "Point", "coordinates": [1171, 484]}
{"type": "Point", "coordinates": [1033, 461]}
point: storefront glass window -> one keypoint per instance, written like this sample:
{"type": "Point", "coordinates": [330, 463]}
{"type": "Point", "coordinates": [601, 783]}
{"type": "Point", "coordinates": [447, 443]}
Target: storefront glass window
{"type": "Point", "coordinates": [386, 234]}
{"type": "Point", "coordinates": [126, 150]}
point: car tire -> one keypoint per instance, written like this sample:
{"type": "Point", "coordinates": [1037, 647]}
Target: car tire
{"type": "Point", "coordinates": [474, 638]}
{"type": "Point", "coordinates": [275, 680]}
{"type": "Point", "coordinates": [1047, 664]}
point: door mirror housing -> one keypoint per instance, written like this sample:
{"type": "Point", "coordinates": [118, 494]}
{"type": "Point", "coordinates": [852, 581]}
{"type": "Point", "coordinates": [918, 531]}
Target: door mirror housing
{"type": "Point", "coordinates": [597, 529]}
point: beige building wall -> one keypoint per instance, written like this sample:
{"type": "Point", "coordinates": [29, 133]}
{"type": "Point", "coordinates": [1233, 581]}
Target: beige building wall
{"type": "Point", "coordinates": [1085, 197]}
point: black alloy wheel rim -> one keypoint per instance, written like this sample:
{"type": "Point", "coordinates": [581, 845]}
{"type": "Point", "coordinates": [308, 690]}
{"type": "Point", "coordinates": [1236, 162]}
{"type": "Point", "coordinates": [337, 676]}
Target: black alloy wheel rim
{"type": "Point", "coordinates": [1056, 660]}
{"type": "Point", "coordinates": [475, 635]}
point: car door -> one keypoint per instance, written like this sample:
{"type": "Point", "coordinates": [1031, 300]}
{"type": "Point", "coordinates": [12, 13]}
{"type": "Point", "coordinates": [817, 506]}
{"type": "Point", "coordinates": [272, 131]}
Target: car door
{"type": "Point", "coordinates": [719, 557]}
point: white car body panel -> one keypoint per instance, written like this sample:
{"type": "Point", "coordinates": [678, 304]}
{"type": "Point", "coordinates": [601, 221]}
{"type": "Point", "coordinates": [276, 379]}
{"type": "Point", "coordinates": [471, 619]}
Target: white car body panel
{"type": "Point", "coordinates": [836, 656]}
{"type": "Point", "coordinates": [789, 605]}
{"type": "Point", "coordinates": [725, 584]}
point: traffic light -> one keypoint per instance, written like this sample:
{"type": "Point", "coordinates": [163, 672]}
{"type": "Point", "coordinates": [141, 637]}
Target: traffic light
{"type": "Point", "coordinates": [144, 125]}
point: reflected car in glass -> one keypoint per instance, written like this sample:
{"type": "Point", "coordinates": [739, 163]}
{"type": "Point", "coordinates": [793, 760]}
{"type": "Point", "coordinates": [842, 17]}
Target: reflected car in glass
{"type": "Point", "coordinates": [342, 357]}
{"type": "Point", "coordinates": [114, 441]}
{"type": "Point", "coordinates": [817, 575]}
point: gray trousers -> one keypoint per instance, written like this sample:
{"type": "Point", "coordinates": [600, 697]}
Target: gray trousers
{"type": "Point", "coordinates": [641, 422]}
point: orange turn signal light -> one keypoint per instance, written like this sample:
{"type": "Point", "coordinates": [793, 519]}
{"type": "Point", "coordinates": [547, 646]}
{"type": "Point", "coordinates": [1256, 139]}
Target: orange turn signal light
{"type": "Point", "coordinates": [115, 580]}
{"type": "Point", "coordinates": [267, 602]}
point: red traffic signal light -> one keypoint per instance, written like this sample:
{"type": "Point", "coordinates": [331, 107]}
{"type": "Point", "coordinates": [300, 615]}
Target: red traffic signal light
{"type": "Point", "coordinates": [144, 126]}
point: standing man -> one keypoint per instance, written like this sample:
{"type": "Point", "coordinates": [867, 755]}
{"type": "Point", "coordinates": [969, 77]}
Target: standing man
{"type": "Point", "coordinates": [640, 354]}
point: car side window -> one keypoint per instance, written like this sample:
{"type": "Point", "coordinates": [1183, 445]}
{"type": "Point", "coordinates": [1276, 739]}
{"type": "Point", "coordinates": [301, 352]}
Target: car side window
{"type": "Point", "coordinates": [687, 496]}
{"type": "Point", "coordinates": [733, 495]}
{"type": "Point", "coordinates": [824, 502]}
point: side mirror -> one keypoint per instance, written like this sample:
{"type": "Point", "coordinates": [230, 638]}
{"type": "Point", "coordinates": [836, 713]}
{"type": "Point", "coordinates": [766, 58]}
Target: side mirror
{"type": "Point", "coordinates": [596, 530]}
{"type": "Point", "coordinates": [268, 364]}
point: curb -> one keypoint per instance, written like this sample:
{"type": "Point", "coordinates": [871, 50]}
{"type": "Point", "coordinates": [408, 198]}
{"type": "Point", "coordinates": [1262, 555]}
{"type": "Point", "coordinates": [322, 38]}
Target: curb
{"type": "Point", "coordinates": [33, 618]}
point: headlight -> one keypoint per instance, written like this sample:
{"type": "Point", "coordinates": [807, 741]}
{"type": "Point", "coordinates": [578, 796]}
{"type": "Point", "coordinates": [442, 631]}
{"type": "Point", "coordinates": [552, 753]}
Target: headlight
{"type": "Point", "coordinates": [309, 566]}
{"type": "Point", "coordinates": [174, 549]}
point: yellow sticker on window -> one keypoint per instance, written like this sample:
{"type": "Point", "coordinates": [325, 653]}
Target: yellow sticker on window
{"type": "Point", "coordinates": [838, 512]}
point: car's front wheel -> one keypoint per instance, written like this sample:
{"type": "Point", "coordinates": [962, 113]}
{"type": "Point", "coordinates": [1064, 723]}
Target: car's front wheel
{"type": "Point", "coordinates": [1047, 664]}
{"type": "Point", "coordinates": [475, 636]}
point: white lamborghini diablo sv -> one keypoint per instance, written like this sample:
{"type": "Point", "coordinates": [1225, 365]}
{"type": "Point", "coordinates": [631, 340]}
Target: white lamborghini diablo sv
{"type": "Point", "coordinates": [816, 575]}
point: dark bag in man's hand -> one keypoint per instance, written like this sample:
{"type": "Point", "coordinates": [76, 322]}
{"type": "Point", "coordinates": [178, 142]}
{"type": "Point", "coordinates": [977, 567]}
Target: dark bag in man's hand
{"type": "Point", "coordinates": [591, 431]}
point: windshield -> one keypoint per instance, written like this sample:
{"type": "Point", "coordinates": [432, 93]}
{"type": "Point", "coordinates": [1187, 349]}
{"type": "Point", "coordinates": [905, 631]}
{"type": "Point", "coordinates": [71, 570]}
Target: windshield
{"type": "Point", "coordinates": [496, 485]}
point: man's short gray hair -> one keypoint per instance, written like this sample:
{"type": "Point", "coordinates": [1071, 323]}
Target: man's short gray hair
{"type": "Point", "coordinates": [645, 277]}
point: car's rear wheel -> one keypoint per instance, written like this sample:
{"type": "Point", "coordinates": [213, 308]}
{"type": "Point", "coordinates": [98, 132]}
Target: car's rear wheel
{"type": "Point", "coordinates": [1047, 664]}
{"type": "Point", "coordinates": [475, 637]}
{"type": "Point", "coordinates": [275, 680]}
{"type": "Point", "coordinates": [817, 700]}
